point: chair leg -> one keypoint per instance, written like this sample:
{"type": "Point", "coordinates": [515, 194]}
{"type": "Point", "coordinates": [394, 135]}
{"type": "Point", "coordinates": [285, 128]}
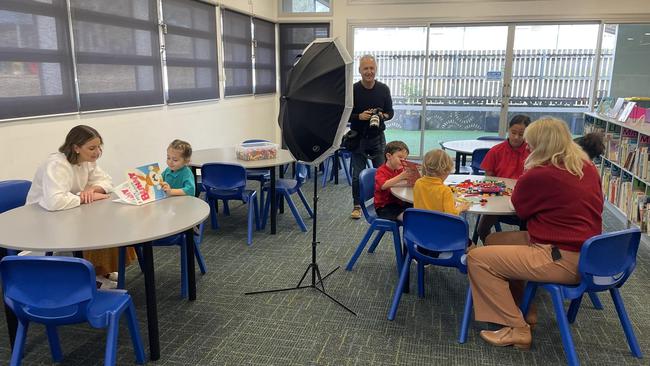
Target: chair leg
{"type": "Point", "coordinates": [226, 208]}
{"type": "Point", "coordinates": [265, 213]}
{"type": "Point", "coordinates": [563, 324]}
{"type": "Point", "coordinates": [251, 210]}
{"type": "Point", "coordinates": [139, 256]}
{"type": "Point", "coordinates": [184, 281]}
{"type": "Point", "coordinates": [327, 168]}
{"type": "Point", "coordinates": [304, 202]}
{"type": "Point", "coordinates": [573, 309]}
{"type": "Point", "coordinates": [346, 169]}
{"type": "Point", "coordinates": [213, 213]}
{"type": "Point", "coordinates": [529, 295]}
{"type": "Point", "coordinates": [110, 357]}
{"type": "Point", "coordinates": [294, 211]}
{"type": "Point", "coordinates": [376, 240]}
{"type": "Point", "coordinates": [596, 301]}
{"type": "Point", "coordinates": [132, 321]}
{"type": "Point", "coordinates": [19, 343]}
{"type": "Point", "coordinates": [199, 258]}
{"type": "Point", "coordinates": [625, 322]}
{"type": "Point", "coordinates": [400, 287]}
{"type": "Point", "coordinates": [397, 243]}
{"type": "Point", "coordinates": [362, 244]}
{"type": "Point", "coordinates": [55, 346]}
{"type": "Point", "coordinates": [467, 313]}
{"type": "Point", "coordinates": [420, 280]}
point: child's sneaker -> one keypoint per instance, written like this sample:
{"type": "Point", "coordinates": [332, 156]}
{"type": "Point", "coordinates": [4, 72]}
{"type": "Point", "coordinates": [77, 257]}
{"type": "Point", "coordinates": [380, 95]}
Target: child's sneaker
{"type": "Point", "coordinates": [105, 283]}
{"type": "Point", "coordinates": [356, 213]}
{"type": "Point", "coordinates": [113, 276]}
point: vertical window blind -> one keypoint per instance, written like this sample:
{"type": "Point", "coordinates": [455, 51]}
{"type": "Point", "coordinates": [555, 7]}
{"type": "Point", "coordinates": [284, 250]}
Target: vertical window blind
{"type": "Point", "coordinates": [237, 53]}
{"type": "Point", "coordinates": [264, 45]}
{"type": "Point", "coordinates": [191, 50]}
{"type": "Point", "coordinates": [293, 39]}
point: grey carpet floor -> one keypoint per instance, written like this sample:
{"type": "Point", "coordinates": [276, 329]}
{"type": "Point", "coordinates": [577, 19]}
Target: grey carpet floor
{"type": "Point", "coordinates": [225, 327]}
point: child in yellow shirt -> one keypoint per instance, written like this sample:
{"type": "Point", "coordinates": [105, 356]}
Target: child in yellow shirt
{"type": "Point", "coordinates": [430, 191]}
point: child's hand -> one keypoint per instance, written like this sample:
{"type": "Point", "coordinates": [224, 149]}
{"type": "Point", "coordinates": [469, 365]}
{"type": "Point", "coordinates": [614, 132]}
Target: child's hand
{"type": "Point", "coordinates": [166, 187]}
{"type": "Point", "coordinates": [464, 207]}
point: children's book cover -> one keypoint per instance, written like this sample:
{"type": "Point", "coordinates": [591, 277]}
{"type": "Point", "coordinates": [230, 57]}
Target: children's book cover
{"type": "Point", "coordinates": [415, 171]}
{"type": "Point", "coordinates": [143, 185]}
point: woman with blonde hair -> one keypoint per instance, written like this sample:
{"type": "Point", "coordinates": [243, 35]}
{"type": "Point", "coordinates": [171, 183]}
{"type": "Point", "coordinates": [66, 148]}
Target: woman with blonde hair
{"type": "Point", "coordinates": [560, 197]}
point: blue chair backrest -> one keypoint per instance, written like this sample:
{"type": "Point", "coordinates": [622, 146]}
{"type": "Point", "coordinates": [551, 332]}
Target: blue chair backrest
{"type": "Point", "coordinates": [255, 140]}
{"type": "Point", "coordinates": [433, 230]}
{"type": "Point", "coordinates": [491, 138]}
{"type": "Point", "coordinates": [52, 289]}
{"type": "Point", "coordinates": [607, 260]}
{"type": "Point", "coordinates": [13, 193]}
{"type": "Point", "coordinates": [367, 191]}
{"type": "Point", "coordinates": [477, 158]}
{"type": "Point", "coordinates": [223, 177]}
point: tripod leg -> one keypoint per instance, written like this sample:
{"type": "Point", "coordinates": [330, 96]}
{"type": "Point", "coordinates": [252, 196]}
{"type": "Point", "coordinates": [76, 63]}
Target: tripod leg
{"type": "Point", "coordinates": [320, 279]}
{"type": "Point", "coordinates": [304, 275]}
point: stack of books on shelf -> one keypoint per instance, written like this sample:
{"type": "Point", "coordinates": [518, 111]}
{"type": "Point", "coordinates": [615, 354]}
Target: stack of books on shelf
{"type": "Point", "coordinates": [629, 110]}
{"type": "Point", "coordinates": [640, 165]}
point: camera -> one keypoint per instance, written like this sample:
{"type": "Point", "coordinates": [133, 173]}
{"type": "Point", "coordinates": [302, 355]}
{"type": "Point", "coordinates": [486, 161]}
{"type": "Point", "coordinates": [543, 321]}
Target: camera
{"type": "Point", "coordinates": [376, 117]}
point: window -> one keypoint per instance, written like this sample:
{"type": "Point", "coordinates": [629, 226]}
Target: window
{"type": "Point", "coordinates": [35, 59]}
{"type": "Point", "coordinates": [306, 6]}
{"type": "Point", "coordinates": [264, 43]}
{"type": "Point", "coordinates": [237, 53]}
{"type": "Point", "coordinates": [117, 53]}
{"type": "Point", "coordinates": [293, 40]}
{"type": "Point", "coordinates": [191, 49]}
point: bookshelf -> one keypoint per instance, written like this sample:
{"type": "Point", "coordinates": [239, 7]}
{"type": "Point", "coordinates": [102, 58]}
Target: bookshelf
{"type": "Point", "coordinates": [624, 166]}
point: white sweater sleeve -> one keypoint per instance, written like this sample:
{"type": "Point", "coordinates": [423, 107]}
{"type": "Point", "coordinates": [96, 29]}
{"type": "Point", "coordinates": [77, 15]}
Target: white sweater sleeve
{"type": "Point", "coordinates": [57, 183]}
{"type": "Point", "coordinates": [97, 177]}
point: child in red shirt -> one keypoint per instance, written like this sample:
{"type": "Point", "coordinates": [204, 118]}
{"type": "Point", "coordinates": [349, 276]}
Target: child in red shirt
{"type": "Point", "coordinates": [505, 160]}
{"type": "Point", "coordinates": [389, 175]}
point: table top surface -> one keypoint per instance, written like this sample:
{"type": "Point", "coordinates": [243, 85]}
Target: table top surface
{"type": "Point", "coordinates": [496, 205]}
{"type": "Point", "coordinates": [468, 146]}
{"type": "Point", "coordinates": [228, 155]}
{"type": "Point", "coordinates": [101, 224]}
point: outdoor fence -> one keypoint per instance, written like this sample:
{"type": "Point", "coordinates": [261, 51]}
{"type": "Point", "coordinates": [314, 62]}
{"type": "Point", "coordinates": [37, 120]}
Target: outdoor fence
{"type": "Point", "coordinates": [541, 77]}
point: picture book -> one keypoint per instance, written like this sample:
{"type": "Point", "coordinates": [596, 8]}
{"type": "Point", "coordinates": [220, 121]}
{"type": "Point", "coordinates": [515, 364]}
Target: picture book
{"type": "Point", "coordinates": [143, 185]}
{"type": "Point", "coordinates": [415, 169]}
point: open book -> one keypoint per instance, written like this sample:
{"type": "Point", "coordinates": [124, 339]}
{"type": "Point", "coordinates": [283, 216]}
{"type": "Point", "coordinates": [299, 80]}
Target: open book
{"type": "Point", "coordinates": [415, 171]}
{"type": "Point", "coordinates": [143, 185]}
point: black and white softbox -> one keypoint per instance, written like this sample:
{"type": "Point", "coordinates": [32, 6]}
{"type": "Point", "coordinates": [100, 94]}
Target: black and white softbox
{"type": "Point", "coordinates": [317, 101]}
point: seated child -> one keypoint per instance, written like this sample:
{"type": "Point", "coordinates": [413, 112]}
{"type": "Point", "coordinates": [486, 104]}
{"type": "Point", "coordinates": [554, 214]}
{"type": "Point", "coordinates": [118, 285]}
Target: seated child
{"type": "Point", "coordinates": [388, 175]}
{"type": "Point", "coordinates": [592, 144]}
{"type": "Point", "coordinates": [430, 191]}
{"type": "Point", "coordinates": [178, 177]}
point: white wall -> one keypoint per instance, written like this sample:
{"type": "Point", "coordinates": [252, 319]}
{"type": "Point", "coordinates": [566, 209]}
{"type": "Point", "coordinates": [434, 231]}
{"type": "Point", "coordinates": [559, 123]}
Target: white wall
{"type": "Point", "coordinates": [139, 136]}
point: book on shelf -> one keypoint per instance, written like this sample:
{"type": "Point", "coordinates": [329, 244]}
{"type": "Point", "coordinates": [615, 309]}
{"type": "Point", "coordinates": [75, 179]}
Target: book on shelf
{"type": "Point", "coordinates": [625, 111]}
{"type": "Point", "coordinates": [616, 108]}
{"type": "Point", "coordinates": [637, 115]}
{"type": "Point", "coordinates": [143, 185]}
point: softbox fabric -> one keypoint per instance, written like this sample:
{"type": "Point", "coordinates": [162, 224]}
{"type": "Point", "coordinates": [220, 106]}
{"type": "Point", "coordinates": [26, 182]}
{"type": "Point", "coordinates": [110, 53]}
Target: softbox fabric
{"type": "Point", "coordinates": [317, 101]}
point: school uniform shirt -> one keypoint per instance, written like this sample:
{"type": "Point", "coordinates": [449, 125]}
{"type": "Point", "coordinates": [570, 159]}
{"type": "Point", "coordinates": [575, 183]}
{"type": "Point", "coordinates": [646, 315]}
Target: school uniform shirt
{"type": "Point", "coordinates": [430, 193]}
{"type": "Point", "coordinates": [506, 161]}
{"type": "Point", "coordinates": [560, 208]}
{"type": "Point", "coordinates": [57, 183]}
{"type": "Point", "coordinates": [384, 197]}
{"type": "Point", "coordinates": [182, 178]}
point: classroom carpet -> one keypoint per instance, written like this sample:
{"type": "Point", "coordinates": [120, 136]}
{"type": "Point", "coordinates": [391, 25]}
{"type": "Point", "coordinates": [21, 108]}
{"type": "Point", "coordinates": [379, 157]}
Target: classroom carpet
{"type": "Point", "coordinates": [225, 327]}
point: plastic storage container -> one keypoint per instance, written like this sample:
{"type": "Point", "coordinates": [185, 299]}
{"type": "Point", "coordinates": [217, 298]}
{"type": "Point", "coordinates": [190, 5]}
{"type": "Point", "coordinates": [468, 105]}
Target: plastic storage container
{"type": "Point", "coordinates": [256, 151]}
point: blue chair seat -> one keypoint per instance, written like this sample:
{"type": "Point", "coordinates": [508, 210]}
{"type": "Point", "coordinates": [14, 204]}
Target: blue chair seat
{"type": "Point", "coordinates": [366, 193]}
{"type": "Point", "coordinates": [66, 295]}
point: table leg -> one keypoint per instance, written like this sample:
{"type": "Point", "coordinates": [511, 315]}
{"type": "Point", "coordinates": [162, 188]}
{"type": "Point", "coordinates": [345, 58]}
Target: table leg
{"type": "Point", "coordinates": [457, 165]}
{"type": "Point", "coordinates": [12, 322]}
{"type": "Point", "coordinates": [152, 306]}
{"type": "Point", "coordinates": [274, 207]}
{"type": "Point", "coordinates": [464, 157]}
{"type": "Point", "coordinates": [191, 276]}
{"type": "Point", "coordinates": [281, 208]}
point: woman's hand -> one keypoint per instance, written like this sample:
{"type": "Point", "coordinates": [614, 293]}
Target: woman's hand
{"type": "Point", "coordinates": [89, 196]}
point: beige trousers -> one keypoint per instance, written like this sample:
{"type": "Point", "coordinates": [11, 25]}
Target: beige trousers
{"type": "Point", "coordinates": [498, 271]}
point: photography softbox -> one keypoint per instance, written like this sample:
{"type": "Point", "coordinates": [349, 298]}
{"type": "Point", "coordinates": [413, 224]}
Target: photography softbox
{"type": "Point", "coordinates": [317, 101]}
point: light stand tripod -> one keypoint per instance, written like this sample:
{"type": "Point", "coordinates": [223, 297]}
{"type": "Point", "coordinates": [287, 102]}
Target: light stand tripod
{"type": "Point", "coordinates": [313, 266]}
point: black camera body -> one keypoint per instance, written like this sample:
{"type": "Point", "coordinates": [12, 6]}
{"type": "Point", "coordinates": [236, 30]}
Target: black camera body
{"type": "Point", "coordinates": [376, 117]}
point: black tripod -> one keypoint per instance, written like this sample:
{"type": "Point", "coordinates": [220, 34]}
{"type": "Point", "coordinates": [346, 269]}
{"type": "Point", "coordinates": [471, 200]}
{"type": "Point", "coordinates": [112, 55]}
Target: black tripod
{"type": "Point", "coordinates": [313, 266]}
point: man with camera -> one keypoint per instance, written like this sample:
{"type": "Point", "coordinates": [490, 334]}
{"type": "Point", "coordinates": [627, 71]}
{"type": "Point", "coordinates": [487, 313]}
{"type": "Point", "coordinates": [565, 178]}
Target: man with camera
{"type": "Point", "coordinates": [373, 106]}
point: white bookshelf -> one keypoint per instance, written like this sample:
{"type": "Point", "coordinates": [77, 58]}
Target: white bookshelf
{"type": "Point", "coordinates": [624, 166]}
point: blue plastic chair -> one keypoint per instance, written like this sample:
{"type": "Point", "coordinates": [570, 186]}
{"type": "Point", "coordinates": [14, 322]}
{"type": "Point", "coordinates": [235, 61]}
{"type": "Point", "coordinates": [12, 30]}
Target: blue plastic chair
{"type": "Point", "coordinates": [477, 158]}
{"type": "Point", "coordinates": [344, 162]}
{"type": "Point", "coordinates": [13, 194]}
{"type": "Point", "coordinates": [366, 193]}
{"type": "Point", "coordinates": [434, 231]}
{"type": "Point", "coordinates": [66, 295]}
{"type": "Point", "coordinates": [261, 175]}
{"type": "Point", "coordinates": [285, 188]}
{"type": "Point", "coordinates": [491, 138]}
{"type": "Point", "coordinates": [177, 240]}
{"type": "Point", "coordinates": [606, 262]}
{"type": "Point", "coordinates": [223, 181]}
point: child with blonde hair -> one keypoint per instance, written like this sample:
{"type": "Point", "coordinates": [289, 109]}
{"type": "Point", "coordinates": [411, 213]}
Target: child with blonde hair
{"type": "Point", "coordinates": [430, 191]}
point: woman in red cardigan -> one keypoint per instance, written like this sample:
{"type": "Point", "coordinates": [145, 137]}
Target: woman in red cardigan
{"type": "Point", "coordinates": [560, 197]}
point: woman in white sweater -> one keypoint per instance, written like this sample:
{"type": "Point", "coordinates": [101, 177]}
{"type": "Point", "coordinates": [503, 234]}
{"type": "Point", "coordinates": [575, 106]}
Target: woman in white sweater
{"type": "Point", "coordinates": [71, 178]}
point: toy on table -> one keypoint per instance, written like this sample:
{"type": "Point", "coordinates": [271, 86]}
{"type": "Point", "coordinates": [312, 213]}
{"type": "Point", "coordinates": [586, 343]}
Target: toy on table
{"type": "Point", "coordinates": [477, 192]}
{"type": "Point", "coordinates": [256, 151]}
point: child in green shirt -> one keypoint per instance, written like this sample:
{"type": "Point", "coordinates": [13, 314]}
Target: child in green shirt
{"type": "Point", "coordinates": [178, 177]}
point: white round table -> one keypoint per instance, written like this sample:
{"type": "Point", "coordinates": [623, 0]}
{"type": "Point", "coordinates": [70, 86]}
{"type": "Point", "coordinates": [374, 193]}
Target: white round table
{"type": "Point", "coordinates": [466, 147]}
{"type": "Point", "coordinates": [496, 205]}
